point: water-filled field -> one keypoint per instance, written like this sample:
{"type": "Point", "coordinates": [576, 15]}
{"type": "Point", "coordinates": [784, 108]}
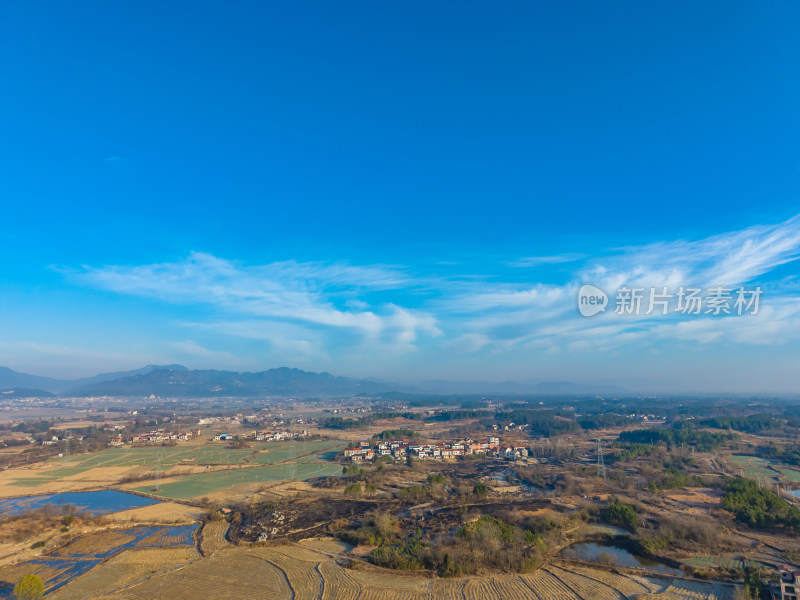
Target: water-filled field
{"type": "Point", "coordinates": [616, 555]}
{"type": "Point", "coordinates": [107, 543]}
{"type": "Point", "coordinates": [101, 502]}
{"type": "Point", "coordinates": [53, 572]}
{"type": "Point", "coordinates": [85, 552]}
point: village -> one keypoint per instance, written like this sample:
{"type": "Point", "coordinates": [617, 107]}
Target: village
{"type": "Point", "coordinates": [156, 436]}
{"type": "Point", "coordinates": [402, 449]}
{"type": "Point", "coordinates": [263, 436]}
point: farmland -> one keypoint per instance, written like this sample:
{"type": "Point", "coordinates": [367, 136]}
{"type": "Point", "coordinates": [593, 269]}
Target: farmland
{"type": "Point", "coordinates": [241, 518]}
{"type": "Point", "coordinates": [187, 471]}
{"type": "Point", "coordinates": [204, 484]}
{"type": "Point", "coordinates": [309, 570]}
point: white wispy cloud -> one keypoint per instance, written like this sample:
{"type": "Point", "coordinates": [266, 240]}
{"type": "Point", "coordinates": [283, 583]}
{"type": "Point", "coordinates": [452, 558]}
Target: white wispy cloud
{"type": "Point", "coordinates": [541, 314]}
{"type": "Point", "coordinates": [535, 261]}
{"type": "Point", "coordinates": [314, 294]}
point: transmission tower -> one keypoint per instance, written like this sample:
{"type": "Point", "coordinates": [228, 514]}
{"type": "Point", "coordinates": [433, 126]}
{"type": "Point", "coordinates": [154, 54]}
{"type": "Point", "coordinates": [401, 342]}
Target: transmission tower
{"type": "Point", "coordinates": [66, 446]}
{"type": "Point", "coordinates": [601, 466]}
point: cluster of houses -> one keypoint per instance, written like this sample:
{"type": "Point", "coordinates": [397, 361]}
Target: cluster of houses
{"type": "Point", "coordinates": [400, 449]}
{"type": "Point", "coordinates": [264, 436]}
{"type": "Point", "coordinates": [157, 436]}
{"type": "Point", "coordinates": [345, 411]}
{"type": "Point", "coordinates": [277, 436]}
{"type": "Point", "coordinates": [510, 427]}
{"type": "Point", "coordinates": [55, 439]}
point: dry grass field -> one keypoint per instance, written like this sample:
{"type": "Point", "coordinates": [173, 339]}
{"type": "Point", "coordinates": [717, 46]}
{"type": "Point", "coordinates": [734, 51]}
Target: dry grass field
{"type": "Point", "coordinates": [308, 570]}
{"type": "Point", "coordinates": [212, 537]}
{"type": "Point", "coordinates": [164, 512]}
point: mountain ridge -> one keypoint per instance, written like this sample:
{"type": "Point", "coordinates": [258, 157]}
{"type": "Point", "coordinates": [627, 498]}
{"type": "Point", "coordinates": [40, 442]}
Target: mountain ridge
{"type": "Point", "coordinates": [178, 381]}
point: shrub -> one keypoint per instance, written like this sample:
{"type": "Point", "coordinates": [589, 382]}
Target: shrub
{"type": "Point", "coordinates": [617, 513]}
{"type": "Point", "coordinates": [353, 488]}
{"type": "Point", "coordinates": [436, 479]}
{"type": "Point", "coordinates": [29, 587]}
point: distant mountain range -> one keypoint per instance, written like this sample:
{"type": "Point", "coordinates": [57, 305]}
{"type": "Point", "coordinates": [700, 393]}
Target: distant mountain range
{"type": "Point", "coordinates": [10, 379]}
{"type": "Point", "coordinates": [173, 381]}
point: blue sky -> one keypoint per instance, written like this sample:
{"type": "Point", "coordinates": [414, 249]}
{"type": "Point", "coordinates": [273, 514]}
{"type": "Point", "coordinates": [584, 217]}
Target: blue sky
{"type": "Point", "coordinates": [404, 191]}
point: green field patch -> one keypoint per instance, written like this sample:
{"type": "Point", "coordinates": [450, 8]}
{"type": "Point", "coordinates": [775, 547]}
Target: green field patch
{"type": "Point", "coordinates": [213, 454]}
{"type": "Point", "coordinates": [28, 481]}
{"type": "Point", "coordinates": [47, 476]}
{"type": "Point", "coordinates": [305, 455]}
{"type": "Point", "coordinates": [790, 474]}
{"type": "Point", "coordinates": [752, 467]}
{"type": "Point", "coordinates": [720, 562]}
{"type": "Point", "coordinates": [279, 451]}
{"type": "Point", "coordinates": [203, 484]}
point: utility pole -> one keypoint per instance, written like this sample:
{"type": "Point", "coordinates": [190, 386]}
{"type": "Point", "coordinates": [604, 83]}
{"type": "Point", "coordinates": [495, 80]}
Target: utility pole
{"type": "Point", "coordinates": [292, 471]}
{"type": "Point", "coordinates": [158, 472]}
{"type": "Point", "coordinates": [601, 466]}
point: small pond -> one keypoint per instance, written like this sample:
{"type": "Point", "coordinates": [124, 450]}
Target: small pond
{"type": "Point", "coordinates": [608, 552]}
{"type": "Point", "coordinates": [101, 502]}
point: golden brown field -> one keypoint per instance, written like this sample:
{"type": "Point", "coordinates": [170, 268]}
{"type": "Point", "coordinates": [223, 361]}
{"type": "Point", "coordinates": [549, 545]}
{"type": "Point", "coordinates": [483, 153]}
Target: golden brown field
{"type": "Point", "coordinates": [308, 570]}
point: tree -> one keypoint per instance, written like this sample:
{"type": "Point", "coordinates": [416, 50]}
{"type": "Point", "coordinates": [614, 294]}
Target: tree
{"type": "Point", "coordinates": [69, 520]}
{"type": "Point", "coordinates": [386, 524]}
{"type": "Point", "coordinates": [480, 489]}
{"type": "Point", "coordinates": [29, 587]}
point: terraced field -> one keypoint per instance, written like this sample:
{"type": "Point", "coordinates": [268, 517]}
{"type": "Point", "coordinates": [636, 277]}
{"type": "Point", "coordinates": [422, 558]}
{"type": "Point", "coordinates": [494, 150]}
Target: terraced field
{"type": "Point", "coordinates": [224, 575]}
{"type": "Point", "coordinates": [212, 537]}
{"type": "Point", "coordinates": [717, 562]}
{"type": "Point", "coordinates": [752, 467]}
{"type": "Point", "coordinates": [690, 590]}
{"type": "Point", "coordinates": [307, 571]}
